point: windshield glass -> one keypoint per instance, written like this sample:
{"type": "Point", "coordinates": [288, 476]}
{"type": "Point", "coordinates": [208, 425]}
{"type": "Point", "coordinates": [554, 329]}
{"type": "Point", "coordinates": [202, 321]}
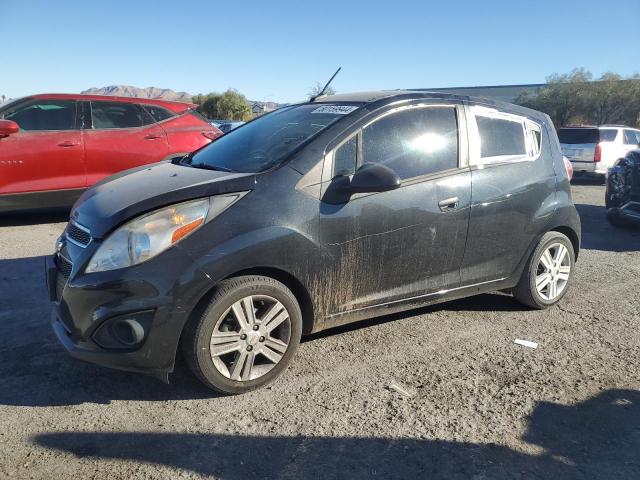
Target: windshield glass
{"type": "Point", "coordinates": [268, 140]}
{"type": "Point", "coordinates": [9, 107]}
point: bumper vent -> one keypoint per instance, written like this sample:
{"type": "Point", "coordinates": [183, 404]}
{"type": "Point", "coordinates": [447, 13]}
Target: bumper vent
{"type": "Point", "coordinates": [78, 234]}
{"type": "Point", "coordinates": [62, 275]}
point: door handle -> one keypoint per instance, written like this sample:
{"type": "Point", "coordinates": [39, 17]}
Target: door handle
{"type": "Point", "coordinates": [152, 136]}
{"type": "Point", "coordinates": [68, 143]}
{"type": "Point", "coordinates": [449, 204]}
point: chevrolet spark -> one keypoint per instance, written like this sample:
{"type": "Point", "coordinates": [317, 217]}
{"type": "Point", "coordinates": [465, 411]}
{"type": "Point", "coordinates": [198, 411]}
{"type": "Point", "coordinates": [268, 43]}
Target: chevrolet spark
{"type": "Point", "coordinates": [316, 215]}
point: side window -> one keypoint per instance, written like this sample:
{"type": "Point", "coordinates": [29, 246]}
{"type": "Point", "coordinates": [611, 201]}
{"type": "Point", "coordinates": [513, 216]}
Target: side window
{"type": "Point", "coordinates": [503, 137]}
{"type": "Point", "coordinates": [414, 141]}
{"type": "Point", "coordinates": [158, 114]}
{"type": "Point", "coordinates": [500, 137]}
{"type": "Point", "coordinates": [118, 115]}
{"type": "Point", "coordinates": [631, 137]}
{"type": "Point", "coordinates": [345, 157]}
{"type": "Point", "coordinates": [45, 115]}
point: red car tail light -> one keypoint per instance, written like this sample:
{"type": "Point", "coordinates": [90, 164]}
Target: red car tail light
{"type": "Point", "coordinates": [597, 156]}
{"type": "Point", "coordinates": [568, 167]}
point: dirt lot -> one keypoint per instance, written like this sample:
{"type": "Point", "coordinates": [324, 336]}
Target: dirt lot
{"type": "Point", "coordinates": [481, 406]}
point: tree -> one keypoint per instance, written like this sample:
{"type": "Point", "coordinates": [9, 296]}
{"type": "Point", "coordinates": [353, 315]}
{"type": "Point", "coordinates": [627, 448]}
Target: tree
{"type": "Point", "coordinates": [315, 91]}
{"type": "Point", "coordinates": [563, 98]}
{"type": "Point", "coordinates": [574, 98]}
{"type": "Point", "coordinates": [229, 105]}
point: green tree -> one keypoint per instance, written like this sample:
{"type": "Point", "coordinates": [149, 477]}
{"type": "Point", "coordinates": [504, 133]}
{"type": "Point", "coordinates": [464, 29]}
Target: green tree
{"type": "Point", "coordinates": [229, 105]}
{"type": "Point", "coordinates": [574, 98]}
{"type": "Point", "coordinates": [563, 98]}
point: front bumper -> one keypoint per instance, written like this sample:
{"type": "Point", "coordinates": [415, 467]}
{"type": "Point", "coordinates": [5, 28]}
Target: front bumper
{"type": "Point", "coordinates": [164, 290]}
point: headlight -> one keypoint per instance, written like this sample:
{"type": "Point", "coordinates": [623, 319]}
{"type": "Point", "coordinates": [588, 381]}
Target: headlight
{"type": "Point", "coordinates": [149, 235]}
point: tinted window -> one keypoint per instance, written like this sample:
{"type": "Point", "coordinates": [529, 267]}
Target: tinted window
{"type": "Point", "coordinates": [344, 158]}
{"type": "Point", "coordinates": [158, 113]}
{"type": "Point", "coordinates": [117, 115]}
{"type": "Point", "coordinates": [266, 141]}
{"type": "Point", "coordinates": [608, 135]}
{"type": "Point", "coordinates": [631, 137]}
{"type": "Point", "coordinates": [578, 135]}
{"type": "Point", "coordinates": [500, 137]}
{"type": "Point", "coordinates": [413, 142]}
{"type": "Point", "coordinates": [44, 115]}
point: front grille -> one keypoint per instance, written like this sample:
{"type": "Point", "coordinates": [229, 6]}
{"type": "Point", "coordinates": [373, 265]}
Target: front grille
{"type": "Point", "coordinates": [78, 235]}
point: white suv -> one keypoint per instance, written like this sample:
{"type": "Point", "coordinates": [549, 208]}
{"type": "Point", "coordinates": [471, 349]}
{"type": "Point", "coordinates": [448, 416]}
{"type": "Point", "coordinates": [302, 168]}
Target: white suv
{"type": "Point", "coordinates": [595, 149]}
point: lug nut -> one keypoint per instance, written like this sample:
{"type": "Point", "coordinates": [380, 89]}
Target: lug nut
{"type": "Point", "coordinates": [261, 339]}
{"type": "Point", "coordinates": [249, 348]}
{"type": "Point", "coordinates": [255, 327]}
{"type": "Point", "coordinates": [243, 337]}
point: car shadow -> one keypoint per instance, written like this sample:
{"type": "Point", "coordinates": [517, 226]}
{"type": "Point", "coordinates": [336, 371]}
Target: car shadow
{"type": "Point", "coordinates": [587, 180]}
{"type": "Point", "coordinates": [596, 439]}
{"type": "Point", "coordinates": [599, 234]}
{"type": "Point", "coordinates": [34, 217]}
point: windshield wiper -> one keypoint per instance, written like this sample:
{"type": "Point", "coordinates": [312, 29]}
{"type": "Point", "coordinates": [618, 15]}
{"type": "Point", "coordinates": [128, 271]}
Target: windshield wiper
{"type": "Point", "coordinates": [206, 166]}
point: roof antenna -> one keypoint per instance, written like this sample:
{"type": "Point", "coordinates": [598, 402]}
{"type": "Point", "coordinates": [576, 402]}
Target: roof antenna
{"type": "Point", "coordinates": [324, 89]}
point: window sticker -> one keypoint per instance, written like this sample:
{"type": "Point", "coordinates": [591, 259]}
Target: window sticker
{"type": "Point", "coordinates": [335, 109]}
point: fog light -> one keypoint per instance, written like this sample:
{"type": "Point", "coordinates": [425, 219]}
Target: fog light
{"type": "Point", "coordinates": [124, 331]}
{"type": "Point", "coordinates": [128, 331]}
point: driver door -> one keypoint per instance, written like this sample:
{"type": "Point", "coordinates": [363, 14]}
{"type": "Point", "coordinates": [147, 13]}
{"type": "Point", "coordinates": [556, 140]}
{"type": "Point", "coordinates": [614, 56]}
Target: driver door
{"type": "Point", "coordinates": [390, 246]}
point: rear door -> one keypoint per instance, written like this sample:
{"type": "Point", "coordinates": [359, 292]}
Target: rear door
{"type": "Point", "coordinates": [47, 153]}
{"type": "Point", "coordinates": [408, 242]}
{"type": "Point", "coordinates": [513, 185]}
{"type": "Point", "coordinates": [119, 136]}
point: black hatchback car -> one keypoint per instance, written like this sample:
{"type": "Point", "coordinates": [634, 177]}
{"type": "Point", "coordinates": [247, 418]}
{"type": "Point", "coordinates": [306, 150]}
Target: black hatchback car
{"type": "Point", "coordinates": [315, 215]}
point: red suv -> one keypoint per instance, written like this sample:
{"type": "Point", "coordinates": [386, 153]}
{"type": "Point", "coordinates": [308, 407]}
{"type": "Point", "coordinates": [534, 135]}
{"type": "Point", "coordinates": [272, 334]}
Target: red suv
{"type": "Point", "coordinates": [53, 146]}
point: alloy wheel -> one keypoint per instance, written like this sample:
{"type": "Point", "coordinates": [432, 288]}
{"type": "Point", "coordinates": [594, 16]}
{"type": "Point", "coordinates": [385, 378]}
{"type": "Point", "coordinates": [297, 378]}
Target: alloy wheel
{"type": "Point", "coordinates": [250, 338]}
{"type": "Point", "coordinates": [552, 274]}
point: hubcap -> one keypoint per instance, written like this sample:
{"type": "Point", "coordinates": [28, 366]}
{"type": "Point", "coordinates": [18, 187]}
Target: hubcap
{"type": "Point", "coordinates": [250, 338]}
{"type": "Point", "coordinates": [552, 275]}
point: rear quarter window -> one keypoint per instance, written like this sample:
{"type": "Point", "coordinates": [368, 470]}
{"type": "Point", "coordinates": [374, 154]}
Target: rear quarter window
{"type": "Point", "coordinates": [158, 113]}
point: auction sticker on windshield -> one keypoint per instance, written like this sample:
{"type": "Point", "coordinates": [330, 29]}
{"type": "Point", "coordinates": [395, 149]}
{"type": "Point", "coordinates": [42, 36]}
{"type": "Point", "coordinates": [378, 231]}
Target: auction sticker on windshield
{"type": "Point", "coordinates": [335, 109]}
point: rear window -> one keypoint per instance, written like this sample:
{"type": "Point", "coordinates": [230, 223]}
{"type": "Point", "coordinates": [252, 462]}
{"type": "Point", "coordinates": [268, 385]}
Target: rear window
{"type": "Point", "coordinates": [579, 135]}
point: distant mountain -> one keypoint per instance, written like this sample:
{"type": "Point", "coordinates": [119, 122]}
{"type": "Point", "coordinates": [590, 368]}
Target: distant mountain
{"type": "Point", "coordinates": [149, 92]}
{"type": "Point", "coordinates": [166, 94]}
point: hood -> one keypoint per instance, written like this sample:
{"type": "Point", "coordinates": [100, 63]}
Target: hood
{"type": "Point", "coordinates": [121, 197]}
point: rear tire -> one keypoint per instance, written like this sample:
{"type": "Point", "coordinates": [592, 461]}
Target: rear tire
{"type": "Point", "coordinates": [246, 337]}
{"type": "Point", "coordinates": [548, 272]}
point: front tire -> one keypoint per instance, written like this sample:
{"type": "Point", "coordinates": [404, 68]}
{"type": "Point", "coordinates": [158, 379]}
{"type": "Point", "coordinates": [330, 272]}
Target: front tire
{"type": "Point", "coordinates": [247, 335]}
{"type": "Point", "coordinates": [547, 275]}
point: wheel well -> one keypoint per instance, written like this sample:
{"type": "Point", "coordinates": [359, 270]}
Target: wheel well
{"type": "Point", "coordinates": [293, 284]}
{"type": "Point", "coordinates": [572, 236]}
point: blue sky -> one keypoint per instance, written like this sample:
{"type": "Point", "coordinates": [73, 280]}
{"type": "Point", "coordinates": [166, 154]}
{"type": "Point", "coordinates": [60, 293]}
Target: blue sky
{"type": "Point", "coordinates": [277, 50]}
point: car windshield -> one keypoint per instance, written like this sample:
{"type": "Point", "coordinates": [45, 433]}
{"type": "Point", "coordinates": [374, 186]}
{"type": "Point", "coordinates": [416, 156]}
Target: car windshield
{"type": "Point", "coordinates": [265, 142]}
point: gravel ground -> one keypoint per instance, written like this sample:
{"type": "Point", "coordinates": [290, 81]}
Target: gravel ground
{"type": "Point", "coordinates": [471, 403]}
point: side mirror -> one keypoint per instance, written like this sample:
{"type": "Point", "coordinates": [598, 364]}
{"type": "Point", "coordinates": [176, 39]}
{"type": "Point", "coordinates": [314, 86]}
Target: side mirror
{"type": "Point", "coordinates": [8, 127]}
{"type": "Point", "coordinates": [374, 177]}
{"type": "Point", "coordinates": [370, 177]}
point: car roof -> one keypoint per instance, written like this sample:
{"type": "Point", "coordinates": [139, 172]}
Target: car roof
{"type": "Point", "coordinates": [379, 97]}
{"type": "Point", "coordinates": [173, 106]}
